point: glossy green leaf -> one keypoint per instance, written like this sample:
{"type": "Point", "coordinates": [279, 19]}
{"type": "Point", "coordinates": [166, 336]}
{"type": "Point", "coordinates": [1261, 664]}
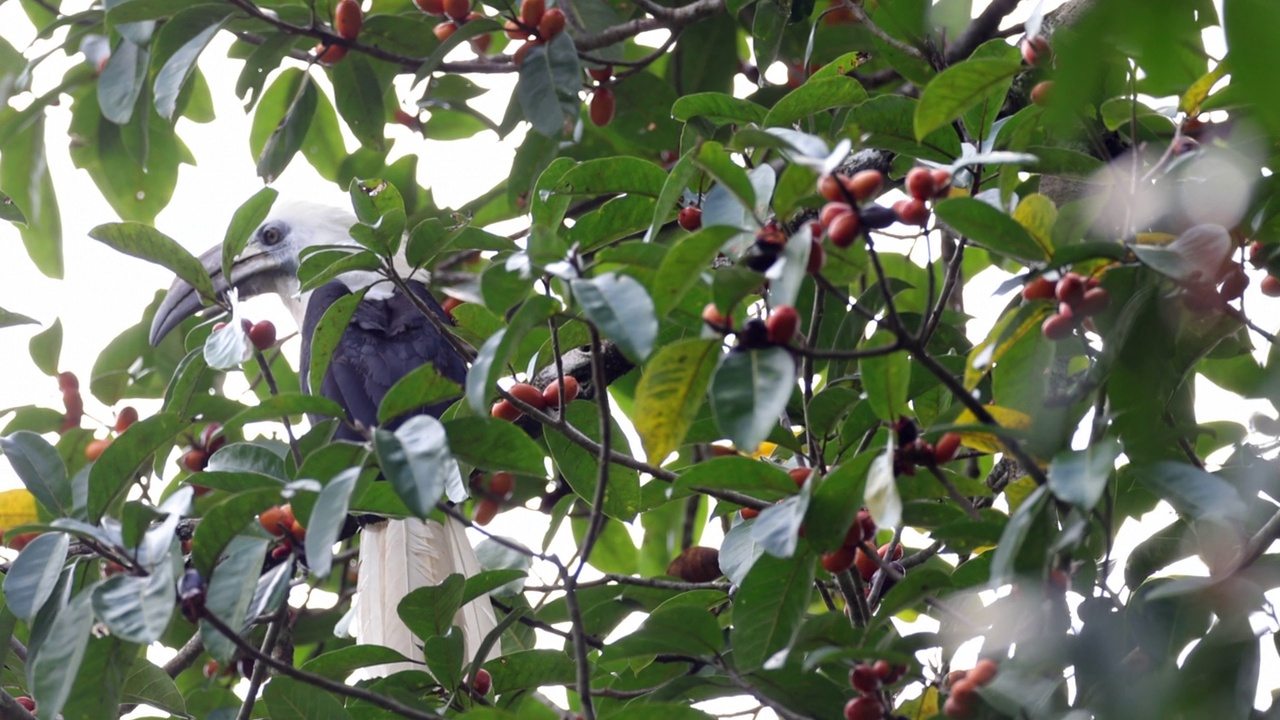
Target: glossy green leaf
{"type": "Point", "coordinates": [417, 461]}
{"type": "Point", "coordinates": [720, 108]}
{"type": "Point", "coordinates": [749, 391]}
{"type": "Point", "coordinates": [959, 88]}
{"type": "Point", "coordinates": [491, 361]}
{"type": "Point", "coordinates": [990, 228]}
{"type": "Point", "coordinates": [816, 95]}
{"type": "Point", "coordinates": [1079, 477]}
{"type": "Point", "coordinates": [428, 611]}
{"type": "Point", "coordinates": [34, 574]}
{"type": "Point", "coordinates": [1192, 491]}
{"type": "Point", "coordinates": [41, 470]}
{"type": "Point", "coordinates": [550, 77]}
{"type": "Point", "coordinates": [676, 629]}
{"type": "Point", "coordinates": [621, 308]}
{"type": "Point", "coordinates": [52, 669]}
{"type": "Point", "coordinates": [230, 591]}
{"type": "Point", "coordinates": [326, 336]}
{"type": "Point", "coordinates": [327, 520]}
{"type": "Point", "coordinates": [25, 179]}
{"type": "Point", "coordinates": [769, 607]}
{"type": "Point", "coordinates": [243, 223]}
{"type": "Point", "coordinates": [886, 378]}
{"type": "Point", "coordinates": [149, 683]}
{"type": "Point", "coordinates": [122, 81]}
{"type": "Point", "coordinates": [178, 45]}
{"type": "Point", "coordinates": [282, 121]}
{"type": "Point", "coordinates": [116, 469]}
{"type": "Point", "coordinates": [289, 699]}
{"type": "Point", "coordinates": [613, 175]}
{"type": "Point", "coordinates": [421, 387]}
{"type": "Point", "coordinates": [136, 608]}
{"type": "Point", "coordinates": [684, 264]}
{"type": "Point", "coordinates": [46, 348]}
{"type": "Point", "coordinates": [888, 120]}
{"type": "Point", "coordinates": [224, 521]}
{"type": "Point", "coordinates": [494, 445]}
{"type": "Point", "coordinates": [358, 92]}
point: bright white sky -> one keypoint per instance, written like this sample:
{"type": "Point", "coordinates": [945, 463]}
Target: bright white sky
{"type": "Point", "coordinates": [103, 292]}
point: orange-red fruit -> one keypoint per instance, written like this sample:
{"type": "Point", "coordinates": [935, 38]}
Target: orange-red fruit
{"type": "Point", "coordinates": [430, 7]}
{"type": "Point", "coordinates": [531, 12]}
{"type": "Point", "coordinates": [920, 183]}
{"type": "Point", "coordinates": [1035, 49]}
{"type": "Point", "coordinates": [95, 447]}
{"type": "Point", "coordinates": [782, 324]}
{"type": "Point", "coordinates": [716, 319]}
{"type": "Point", "coordinates": [504, 410]}
{"type": "Point", "coordinates": [457, 9]}
{"type": "Point", "coordinates": [865, 707]}
{"type": "Point", "coordinates": [1040, 93]}
{"type": "Point", "coordinates": [749, 513]}
{"type": "Point", "coordinates": [843, 231]}
{"type": "Point", "coordinates": [1070, 289]}
{"type": "Point", "coordinates": [865, 184]}
{"type": "Point", "coordinates": [984, 672]}
{"type": "Point", "coordinates": [800, 475]}
{"type": "Point", "coordinates": [347, 19]}
{"type": "Point", "coordinates": [817, 258]}
{"type": "Point", "coordinates": [833, 210]}
{"type": "Point", "coordinates": [945, 450]}
{"type": "Point", "coordinates": [445, 30]}
{"type": "Point", "coordinates": [68, 381]}
{"type": "Point", "coordinates": [195, 460]}
{"type": "Point", "coordinates": [912, 212]}
{"type": "Point", "coordinates": [483, 682]}
{"type": "Point", "coordinates": [1095, 301]}
{"type": "Point", "coordinates": [1270, 286]}
{"type": "Point", "coordinates": [501, 484]}
{"type": "Point", "coordinates": [449, 305]}
{"type": "Point", "coordinates": [211, 668]}
{"type": "Point", "coordinates": [552, 24]}
{"type": "Point", "coordinates": [26, 702]}
{"type": "Point", "coordinates": [958, 709]}
{"type": "Point", "coordinates": [1057, 327]}
{"type": "Point", "coordinates": [601, 74]}
{"type": "Point", "coordinates": [486, 511]}
{"type": "Point", "coordinates": [690, 218]}
{"type": "Point", "coordinates": [1038, 289]}
{"type": "Point", "coordinates": [129, 415]}
{"type": "Point", "coordinates": [275, 520]}
{"type": "Point", "coordinates": [480, 44]}
{"type": "Point", "coordinates": [331, 54]}
{"type": "Point", "coordinates": [298, 532]}
{"type": "Point", "coordinates": [602, 100]}
{"type": "Point", "coordinates": [282, 550]}
{"type": "Point", "coordinates": [831, 187]}
{"type": "Point", "coordinates": [838, 561]}
{"type": "Point", "coordinates": [552, 395]}
{"type": "Point", "coordinates": [941, 182]}
{"type": "Point", "coordinates": [514, 31]}
{"type": "Point", "coordinates": [867, 567]}
{"type": "Point", "coordinates": [529, 395]}
{"type": "Point", "coordinates": [263, 334]}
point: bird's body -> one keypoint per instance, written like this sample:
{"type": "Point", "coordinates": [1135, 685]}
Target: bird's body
{"type": "Point", "coordinates": [387, 337]}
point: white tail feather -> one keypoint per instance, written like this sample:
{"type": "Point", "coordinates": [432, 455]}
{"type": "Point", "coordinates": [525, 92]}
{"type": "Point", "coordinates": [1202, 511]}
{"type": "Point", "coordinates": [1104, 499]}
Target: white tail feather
{"type": "Point", "coordinates": [400, 556]}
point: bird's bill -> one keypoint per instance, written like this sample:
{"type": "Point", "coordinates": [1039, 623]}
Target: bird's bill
{"type": "Point", "coordinates": [182, 301]}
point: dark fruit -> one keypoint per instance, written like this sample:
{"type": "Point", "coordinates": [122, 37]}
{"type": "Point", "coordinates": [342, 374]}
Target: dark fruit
{"type": "Point", "coordinates": [347, 19]}
{"type": "Point", "coordinates": [920, 183]}
{"type": "Point", "coordinates": [211, 438]}
{"type": "Point", "coordinates": [1039, 289]}
{"type": "Point", "coordinates": [690, 218]}
{"type": "Point", "coordinates": [866, 707]}
{"type": "Point", "coordinates": [552, 395]}
{"type": "Point", "coordinates": [696, 564]}
{"type": "Point", "coordinates": [195, 460]}
{"type": "Point", "coordinates": [838, 561]}
{"type": "Point", "coordinates": [529, 395]}
{"type": "Point", "coordinates": [486, 511]}
{"type": "Point", "coordinates": [864, 679]}
{"type": "Point", "coordinates": [211, 669]}
{"type": "Point", "coordinates": [445, 29]}
{"type": "Point", "coordinates": [854, 536]}
{"type": "Point", "coordinates": [263, 333]}
{"type": "Point", "coordinates": [1057, 327]}
{"type": "Point", "coordinates": [282, 550]}
{"type": "Point", "coordinates": [843, 231]}
{"type": "Point", "coordinates": [482, 683]}
{"type": "Point", "coordinates": [912, 212]}
{"type": "Point", "coordinates": [128, 416]}
{"type": "Point", "coordinates": [330, 54]}
{"type": "Point", "coordinates": [754, 334]}
{"type": "Point", "coordinates": [782, 324]}
{"type": "Point", "coordinates": [430, 7]}
{"type": "Point", "coordinates": [449, 305]}
{"type": "Point", "coordinates": [878, 217]}
{"type": "Point", "coordinates": [945, 450]}
{"type": "Point", "coordinates": [552, 25]}
{"type": "Point", "coordinates": [865, 184]}
{"type": "Point", "coordinates": [1257, 258]}
{"type": "Point", "coordinates": [602, 100]}
{"type": "Point", "coordinates": [817, 258]}
{"type": "Point", "coordinates": [531, 12]}
{"type": "Point", "coordinates": [1234, 284]}
{"type": "Point", "coordinates": [958, 709]}
{"type": "Point", "coordinates": [94, 449]}
{"type": "Point", "coordinates": [868, 525]}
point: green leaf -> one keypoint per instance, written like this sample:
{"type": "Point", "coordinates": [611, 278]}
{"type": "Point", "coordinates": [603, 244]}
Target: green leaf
{"type": "Point", "coordinates": [34, 574]}
{"type": "Point", "coordinates": [122, 81]}
{"type": "Point", "coordinates": [620, 306]}
{"type": "Point", "coordinates": [380, 209]}
{"type": "Point", "coordinates": [720, 108]}
{"type": "Point", "coordinates": [338, 663]}
{"type": "Point", "coordinates": [444, 655]}
{"type": "Point", "coordinates": [243, 223]}
{"type": "Point", "coordinates": [358, 92]}
{"type": "Point", "coordinates": [749, 391]}
{"type": "Point", "coordinates": [230, 591]}
{"type": "Point", "coordinates": [529, 669]}
{"type": "Point", "coordinates": [835, 503]}
{"type": "Point", "coordinates": [41, 470]}
{"type": "Point", "coordinates": [248, 457]}
{"type": "Point", "coordinates": [136, 608]}
{"type": "Point", "coordinates": [467, 31]}
{"type": "Point", "coordinates": [149, 683]}
{"type": "Point", "coordinates": [959, 88]}
{"type": "Point", "coordinates": [1249, 25]}
{"type": "Point", "coordinates": [918, 584]}
{"type": "Point", "coordinates": [684, 264]}
{"type": "Point", "coordinates": [1015, 532]}
{"type": "Point", "coordinates": [492, 359]}
{"type": "Point", "coordinates": [762, 480]}
{"type": "Point", "coordinates": [224, 521]}
{"type": "Point", "coordinates": [1079, 477]}
{"type": "Point", "coordinates": [420, 388]}
{"type": "Point", "coordinates": [115, 470]}
{"type": "Point", "coordinates": [715, 160]}
{"type": "Point", "coordinates": [327, 335]}
{"type": "Point", "coordinates": [327, 520]}
{"type": "Point", "coordinates": [53, 666]}
{"type": "Point", "coordinates": [886, 378]}
{"type": "Point", "coordinates": [670, 392]}
{"type": "Point", "coordinates": [990, 228]}
{"type": "Point", "coordinates": [769, 607]}
{"type": "Point", "coordinates": [178, 45]}
{"type": "Point", "coordinates": [282, 121]}
{"type": "Point", "coordinates": [147, 243]}
{"type": "Point", "coordinates": [676, 629]}
{"type": "Point", "coordinates": [428, 611]}
{"type": "Point", "coordinates": [290, 699]}
{"type": "Point", "coordinates": [417, 461]}
{"type": "Point", "coordinates": [10, 319]}
{"type": "Point", "coordinates": [550, 77]}
{"type": "Point", "coordinates": [46, 347]}
{"type": "Point", "coordinates": [25, 179]}
{"type": "Point", "coordinates": [581, 469]}
{"type": "Point", "coordinates": [614, 175]}
{"type": "Point", "coordinates": [888, 118]}
{"type": "Point", "coordinates": [816, 95]}
{"type": "Point", "coordinates": [1192, 491]}
{"type": "Point", "coordinates": [494, 445]}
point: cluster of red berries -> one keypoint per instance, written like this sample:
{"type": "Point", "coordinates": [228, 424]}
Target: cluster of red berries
{"type": "Point", "coordinates": [778, 329]}
{"type": "Point", "coordinates": [347, 22]}
{"type": "Point", "coordinates": [128, 416]}
{"type": "Point", "coordinates": [537, 24]}
{"type": "Point", "coordinates": [459, 14]}
{"type": "Point", "coordinates": [1078, 297]}
{"type": "Point", "coordinates": [963, 699]}
{"type": "Point", "coordinates": [493, 490]}
{"type": "Point", "coordinates": [602, 101]}
{"type": "Point", "coordinates": [867, 679]}
{"type": "Point", "coordinates": [202, 448]}
{"type": "Point", "coordinates": [551, 396]}
{"type": "Point", "coordinates": [842, 219]}
{"type": "Point", "coordinates": [280, 522]}
{"type": "Point", "coordinates": [848, 555]}
{"type": "Point", "coordinates": [913, 450]}
{"type": "Point", "coordinates": [799, 475]}
{"type": "Point", "coordinates": [1037, 52]}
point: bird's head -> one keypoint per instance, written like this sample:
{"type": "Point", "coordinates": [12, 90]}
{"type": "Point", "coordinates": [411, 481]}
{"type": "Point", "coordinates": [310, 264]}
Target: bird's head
{"type": "Point", "coordinates": [268, 263]}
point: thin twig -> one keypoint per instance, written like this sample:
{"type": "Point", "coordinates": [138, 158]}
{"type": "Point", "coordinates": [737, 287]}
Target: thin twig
{"type": "Point", "coordinates": [260, 670]}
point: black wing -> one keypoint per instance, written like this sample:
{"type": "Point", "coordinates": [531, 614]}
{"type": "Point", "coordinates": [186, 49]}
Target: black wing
{"type": "Point", "coordinates": [384, 341]}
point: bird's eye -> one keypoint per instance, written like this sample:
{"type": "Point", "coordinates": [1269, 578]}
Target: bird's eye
{"type": "Point", "coordinates": [271, 235]}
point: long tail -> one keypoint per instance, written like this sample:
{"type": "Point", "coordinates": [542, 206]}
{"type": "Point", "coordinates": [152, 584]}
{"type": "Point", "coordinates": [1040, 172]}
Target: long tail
{"type": "Point", "coordinates": [400, 556]}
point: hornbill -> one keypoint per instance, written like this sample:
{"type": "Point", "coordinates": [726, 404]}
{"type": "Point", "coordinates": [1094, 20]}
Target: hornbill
{"type": "Point", "coordinates": [388, 336]}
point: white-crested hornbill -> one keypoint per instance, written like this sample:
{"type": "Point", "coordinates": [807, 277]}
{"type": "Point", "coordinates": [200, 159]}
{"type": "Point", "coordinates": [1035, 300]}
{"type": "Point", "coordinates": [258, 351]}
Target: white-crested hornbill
{"type": "Point", "coordinates": [387, 337]}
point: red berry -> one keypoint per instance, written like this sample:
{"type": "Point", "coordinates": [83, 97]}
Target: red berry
{"type": "Point", "coordinates": [983, 673]}
{"type": "Point", "coordinates": [195, 460]}
{"type": "Point", "coordinates": [94, 449]}
{"type": "Point", "coordinates": [282, 550]}
{"type": "Point", "coordinates": [329, 54]}
{"type": "Point", "coordinates": [602, 100]}
{"type": "Point", "coordinates": [531, 12]}
{"type": "Point", "coordinates": [1041, 92]}
{"type": "Point", "coordinates": [690, 218]}
{"type": "Point", "coordinates": [800, 475]}
{"type": "Point", "coordinates": [817, 258]}
{"type": "Point", "coordinates": [26, 702]}
{"type": "Point", "coordinates": [1070, 289]}
{"type": "Point", "coordinates": [482, 683]}
{"type": "Point", "coordinates": [501, 484]}
{"type": "Point", "coordinates": [712, 316]}
{"type": "Point", "coordinates": [431, 7]}
{"type": "Point", "coordinates": [211, 668]}
{"type": "Point", "coordinates": [211, 438]}
{"type": "Point", "coordinates": [782, 324]}
{"type": "Point", "coordinates": [1270, 286]}
{"type": "Point", "coordinates": [749, 513]}
{"type": "Point", "coordinates": [863, 678]}
{"type": "Point", "coordinates": [942, 182]}
{"type": "Point", "coordinates": [551, 395]}
{"type": "Point", "coordinates": [866, 707]}
{"type": "Point", "coordinates": [1038, 289]}
{"type": "Point", "coordinates": [920, 183]}
{"type": "Point", "coordinates": [529, 395]}
{"type": "Point", "coordinates": [958, 709]}
{"type": "Point", "coordinates": [1057, 327]}
{"type": "Point", "coordinates": [865, 184]}
{"type": "Point", "coordinates": [603, 74]}
{"type": "Point", "coordinates": [347, 19]}
{"type": "Point", "coordinates": [504, 410]}
{"type": "Point", "coordinates": [912, 212]}
{"type": "Point", "coordinates": [838, 561]}
{"type": "Point", "coordinates": [486, 510]}
{"type": "Point", "coordinates": [868, 525]}
{"type": "Point", "coordinates": [853, 537]}
{"type": "Point", "coordinates": [833, 210]}
{"type": "Point", "coordinates": [831, 187]}
{"type": "Point", "coordinates": [1035, 50]}
{"type": "Point", "coordinates": [128, 416]}
{"type": "Point", "coordinates": [1234, 283]}
{"type": "Point", "coordinates": [445, 29]}
{"type": "Point", "coordinates": [883, 669]}
{"type": "Point", "coordinates": [552, 24]}
{"type": "Point", "coordinates": [1096, 301]}
{"type": "Point", "coordinates": [945, 450]}
{"type": "Point", "coordinates": [457, 9]}
{"type": "Point", "coordinates": [68, 381]}
{"type": "Point", "coordinates": [514, 31]}
{"type": "Point", "coordinates": [449, 305]}
{"type": "Point", "coordinates": [1257, 257]}
{"type": "Point", "coordinates": [263, 334]}
{"type": "Point", "coordinates": [843, 231]}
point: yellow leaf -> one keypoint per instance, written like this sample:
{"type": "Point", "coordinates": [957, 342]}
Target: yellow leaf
{"type": "Point", "coordinates": [17, 507]}
{"type": "Point", "coordinates": [1037, 214]}
{"type": "Point", "coordinates": [987, 442]}
{"type": "Point", "coordinates": [764, 450]}
{"type": "Point", "coordinates": [1195, 95]}
{"type": "Point", "coordinates": [670, 392]}
{"type": "Point", "coordinates": [1007, 331]}
{"type": "Point", "coordinates": [1018, 491]}
{"type": "Point", "coordinates": [924, 707]}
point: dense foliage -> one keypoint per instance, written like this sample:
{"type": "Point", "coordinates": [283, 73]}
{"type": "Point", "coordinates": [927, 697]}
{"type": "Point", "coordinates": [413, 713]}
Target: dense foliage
{"type": "Point", "coordinates": [770, 285]}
